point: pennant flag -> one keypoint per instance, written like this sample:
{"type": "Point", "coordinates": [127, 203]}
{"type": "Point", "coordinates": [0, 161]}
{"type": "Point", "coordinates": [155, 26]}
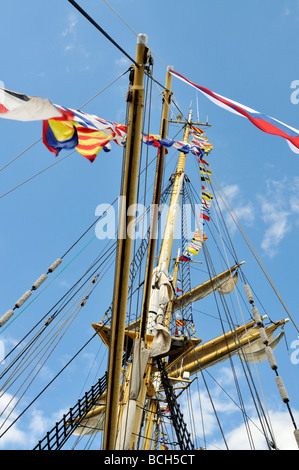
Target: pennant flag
{"type": "Point", "coordinates": [196, 130]}
{"type": "Point", "coordinates": [205, 178]}
{"type": "Point", "coordinates": [185, 257]}
{"type": "Point", "coordinates": [179, 324]}
{"type": "Point", "coordinates": [151, 139]}
{"type": "Point", "coordinates": [198, 237]}
{"type": "Point", "coordinates": [204, 171]}
{"type": "Point", "coordinates": [265, 123]}
{"type": "Point", "coordinates": [66, 128]}
{"type": "Point", "coordinates": [204, 216]}
{"type": "Point", "coordinates": [156, 141]}
{"type": "Point", "coordinates": [206, 204]}
{"type": "Point", "coordinates": [203, 144]}
{"type": "Point", "coordinates": [207, 196]}
{"type": "Point", "coordinates": [20, 107]}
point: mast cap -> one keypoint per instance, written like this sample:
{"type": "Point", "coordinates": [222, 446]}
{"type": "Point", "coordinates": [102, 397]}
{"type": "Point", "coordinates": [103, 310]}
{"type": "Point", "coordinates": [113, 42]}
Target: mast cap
{"type": "Point", "coordinates": [142, 39]}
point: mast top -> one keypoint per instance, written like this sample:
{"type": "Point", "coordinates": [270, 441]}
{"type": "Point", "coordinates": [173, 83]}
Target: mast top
{"type": "Point", "coordinates": [142, 39]}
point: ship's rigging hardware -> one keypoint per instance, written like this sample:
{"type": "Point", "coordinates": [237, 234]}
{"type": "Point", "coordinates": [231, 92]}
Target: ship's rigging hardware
{"type": "Point", "coordinates": [63, 429]}
{"type": "Point", "coordinates": [180, 427]}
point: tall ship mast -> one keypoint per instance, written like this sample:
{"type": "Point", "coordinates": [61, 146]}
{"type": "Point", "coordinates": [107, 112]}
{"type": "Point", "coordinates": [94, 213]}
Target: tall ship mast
{"type": "Point", "coordinates": [155, 390]}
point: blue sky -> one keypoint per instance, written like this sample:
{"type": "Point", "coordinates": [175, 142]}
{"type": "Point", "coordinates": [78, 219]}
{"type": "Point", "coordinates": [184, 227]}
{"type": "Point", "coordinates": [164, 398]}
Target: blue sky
{"type": "Point", "coordinates": [245, 51]}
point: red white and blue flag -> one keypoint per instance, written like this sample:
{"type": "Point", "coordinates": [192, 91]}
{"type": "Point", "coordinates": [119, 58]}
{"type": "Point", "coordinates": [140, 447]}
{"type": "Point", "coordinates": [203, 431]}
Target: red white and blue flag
{"type": "Point", "coordinates": [265, 123]}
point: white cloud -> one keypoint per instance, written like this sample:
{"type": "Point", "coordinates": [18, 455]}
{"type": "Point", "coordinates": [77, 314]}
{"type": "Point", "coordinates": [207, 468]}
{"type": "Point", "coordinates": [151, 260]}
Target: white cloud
{"type": "Point", "coordinates": [71, 26]}
{"type": "Point", "coordinates": [230, 417]}
{"type": "Point", "coordinates": [70, 39]}
{"type": "Point", "coordinates": [231, 191]}
{"type": "Point", "coordinates": [280, 206]}
{"type": "Point", "coordinates": [278, 226]}
{"type": "Point", "coordinates": [237, 438]}
{"type": "Point", "coordinates": [279, 209]}
{"type": "Point", "coordinates": [122, 62]}
{"type": "Point", "coordinates": [243, 210]}
{"type": "Point", "coordinates": [23, 435]}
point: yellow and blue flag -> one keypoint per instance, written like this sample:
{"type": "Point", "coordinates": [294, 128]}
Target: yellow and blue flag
{"type": "Point", "coordinates": [86, 133]}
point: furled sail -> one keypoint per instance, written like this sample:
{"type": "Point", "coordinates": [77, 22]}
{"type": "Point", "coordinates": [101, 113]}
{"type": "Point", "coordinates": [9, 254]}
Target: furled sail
{"type": "Point", "coordinates": [228, 286]}
{"type": "Point", "coordinates": [244, 341]}
{"type": "Point", "coordinates": [219, 282]}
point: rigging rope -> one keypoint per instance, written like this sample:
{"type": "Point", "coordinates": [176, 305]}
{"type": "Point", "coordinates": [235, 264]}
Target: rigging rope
{"type": "Point", "coordinates": [242, 408]}
{"type": "Point", "coordinates": [98, 27]}
{"type": "Point", "coordinates": [32, 145]}
{"type": "Point", "coordinates": [15, 158]}
{"type": "Point", "coordinates": [37, 174]}
{"type": "Point", "coordinates": [103, 258]}
{"type": "Point", "coordinates": [248, 242]}
{"type": "Point", "coordinates": [47, 386]}
{"type": "Point", "coordinates": [51, 269]}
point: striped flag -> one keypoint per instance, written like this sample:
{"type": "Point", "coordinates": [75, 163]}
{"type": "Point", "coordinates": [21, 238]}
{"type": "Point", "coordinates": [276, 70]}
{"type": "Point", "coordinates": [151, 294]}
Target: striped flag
{"type": "Point", "coordinates": [204, 171]}
{"type": "Point", "coordinates": [207, 196]}
{"type": "Point", "coordinates": [88, 134]}
{"type": "Point", "coordinates": [265, 123]}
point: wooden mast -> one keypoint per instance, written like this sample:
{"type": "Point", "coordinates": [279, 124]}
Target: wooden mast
{"type": "Point", "coordinates": [151, 252]}
{"type": "Point", "coordinates": [155, 206]}
{"type": "Point", "coordinates": [164, 257]}
{"type": "Point", "coordinates": [121, 283]}
{"type": "Point", "coordinates": [166, 247]}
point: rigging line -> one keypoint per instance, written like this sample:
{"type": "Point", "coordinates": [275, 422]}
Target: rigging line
{"type": "Point", "coordinates": [82, 106]}
{"type": "Point", "coordinates": [98, 27]}
{"type": "Point", "coordinates": [232, 399]}
{"type": "Point", "coordinates": [134, 32]}
{"type": "Point", "coordinates": [37, 174]}
{"type": "Point", "coordinates": [104, 89]}
{"type": "Point", "coordinates": [64, 326]}
{"type": "Point", "coordinates": [58, 311]}
{"type": "Point", "coordinates": [65, 267]}
{"type": "Point", "coordinates": [191, 415]}
{"type": "Point", "coordinates": [47, 386]}
{"type": "Point", "coordinates": [172, 101]}
{"type": "Point", "coordinates": [246, 281]}
{"type": "Point", "coordinates": [121, 18]}
{"type": "Point", "coordinates": [245, 367]}
{"type": "Point", "coordinates": [51, 282]}
{"type": "Point", "coordinates": [193, 190]}
{"type": "Point", "coordinates": [42, 345]}
{"type": "Point", "coordinates": [11, 161]}
{"type": "Point", "coordinates": [212, 316]}
{"type": "Point", "coordinates": [247, 240]}
{"type": "Point", "coordinates": [87, 230]}
{"type": "Point", "coordinates": [242, 408]}
{"type": "Point", "coordinates": [262, 431]}
{"type": "Point", "coordinates": [70, 260]}
{"type": "Point", "coordinates": [68, 293]}
{"type": "Point", "coordinates": [225, 252]}
{"type": "Point", "coordinates": [233, 253]}
{"type": "Point", "coordinates": [201, 413]}
{"type": "Point", "coordinates": [32, 370]}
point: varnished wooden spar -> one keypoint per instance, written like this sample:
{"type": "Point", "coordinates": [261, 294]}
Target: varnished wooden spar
{"type": "Point", "coordinates": [122, 271]}
{"type": "Point", "coordinates": [164, 259]}
{"type": "Point", "coordinates": [156, 202]}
